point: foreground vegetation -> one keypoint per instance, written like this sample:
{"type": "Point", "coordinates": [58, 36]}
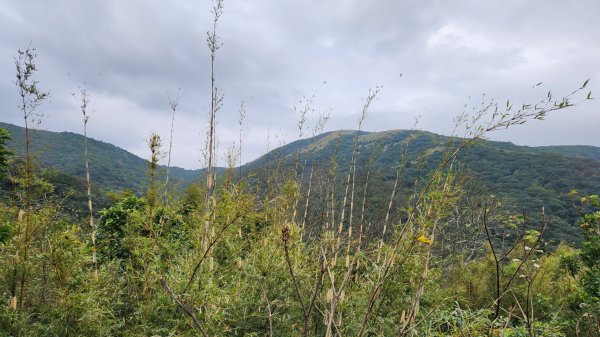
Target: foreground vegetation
{"type": "Point", "coordinates": [294, 249]}
{"type": "Point", "coordinates": [255, 263]}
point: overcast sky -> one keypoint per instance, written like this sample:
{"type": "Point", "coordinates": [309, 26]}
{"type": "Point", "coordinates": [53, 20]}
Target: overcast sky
{"type": "Point", "coordinates": [128, 53]}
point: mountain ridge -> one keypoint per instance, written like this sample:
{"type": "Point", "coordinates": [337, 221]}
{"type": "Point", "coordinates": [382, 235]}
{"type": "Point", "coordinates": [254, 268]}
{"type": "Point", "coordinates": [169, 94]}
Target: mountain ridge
{"type": "Point", "coordinates": [528, 178]}
{"type": "Point", "coordinates": [110, 165]}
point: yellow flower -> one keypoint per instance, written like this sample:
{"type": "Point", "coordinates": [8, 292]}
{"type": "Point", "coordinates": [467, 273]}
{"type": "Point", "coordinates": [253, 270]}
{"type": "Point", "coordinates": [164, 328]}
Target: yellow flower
{"type": "Point", "coordinates": [424, 239]}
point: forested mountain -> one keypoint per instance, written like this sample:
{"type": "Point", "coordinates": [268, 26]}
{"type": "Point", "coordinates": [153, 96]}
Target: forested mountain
{"type": "Point", "coordinates": [112, 168]}
{"type": "Point", "coordinates": [524, 178]}
{"type": "Point", "coordinates": [582, 151]}
{"type": "Point", "coordinates": [60, 158]}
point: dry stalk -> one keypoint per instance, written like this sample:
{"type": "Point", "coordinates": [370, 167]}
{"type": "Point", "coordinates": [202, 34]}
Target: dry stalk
{"type": "Point", "coordinates": [216, 102]}
{"type": "Point", "coordinates": [173, 103]}
{"type": "Point", "coordinates": [84, 104]}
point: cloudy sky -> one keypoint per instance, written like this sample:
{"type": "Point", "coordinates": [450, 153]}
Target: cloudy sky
{"type": "Point", "coordinates": [129, 53]}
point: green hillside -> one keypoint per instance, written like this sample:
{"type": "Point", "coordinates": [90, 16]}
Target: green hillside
{"type": "Point", "coordinates": [582, 151]}
{"type": "Point", "coordinates": [59, 159]}
{"type": "Point", "coordinates": [112, 168]}
{"type": "Point", "coordinates": [524, 178]}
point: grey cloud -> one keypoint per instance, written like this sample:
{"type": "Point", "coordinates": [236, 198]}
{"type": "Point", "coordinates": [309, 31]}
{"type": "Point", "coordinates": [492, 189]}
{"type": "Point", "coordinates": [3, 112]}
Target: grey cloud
{"type": "Point", "coordinates": [274, 52]}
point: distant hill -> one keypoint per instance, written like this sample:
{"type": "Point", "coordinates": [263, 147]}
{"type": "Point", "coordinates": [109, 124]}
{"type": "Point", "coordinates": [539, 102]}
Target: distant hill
{"type": "Point", "coordinates": [582, 151]}
{"type": "Point", "coordinates": [112, 168]}
{"type": "Point", "coordinates": [525, 178]}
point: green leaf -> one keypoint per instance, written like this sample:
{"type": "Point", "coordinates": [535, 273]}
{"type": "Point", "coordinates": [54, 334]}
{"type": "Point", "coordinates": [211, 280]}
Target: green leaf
{"type": "Point", "coordinates": [5, 233]}
{"type": "Point", "coordinates": [585, 83]}
{"type": "Point", "coordinates": [531, 235]}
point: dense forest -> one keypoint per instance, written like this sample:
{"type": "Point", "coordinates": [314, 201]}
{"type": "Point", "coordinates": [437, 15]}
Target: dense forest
{"type": "Point", "coordinates": [349, 233]}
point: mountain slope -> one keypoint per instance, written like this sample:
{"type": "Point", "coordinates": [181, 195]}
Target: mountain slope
{"type": "Point", "coordinates": [581, 151]}
{"type": "Point", "coordinates": [112, 168]}
{"type": "Point", "coordinates": [526, 179]}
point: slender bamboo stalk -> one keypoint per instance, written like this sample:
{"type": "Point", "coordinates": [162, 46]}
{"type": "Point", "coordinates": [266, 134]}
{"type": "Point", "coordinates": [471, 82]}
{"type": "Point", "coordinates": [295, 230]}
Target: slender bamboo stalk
{"type": "Point", "coordinates": [215, 104]}
{"type": "Point", "coordinates": [84, 103]}
{"type": "Point", "coordinates": [30, 98]}
{"type": "Point", "coordinates": [173, 103]}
